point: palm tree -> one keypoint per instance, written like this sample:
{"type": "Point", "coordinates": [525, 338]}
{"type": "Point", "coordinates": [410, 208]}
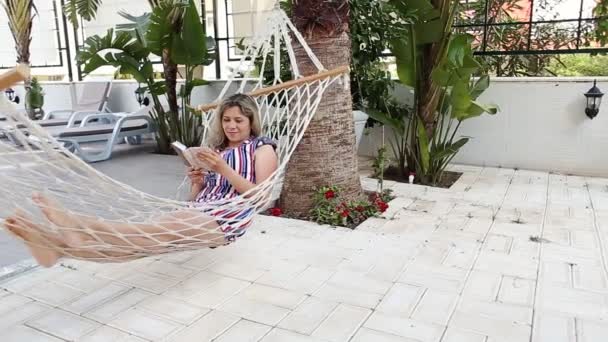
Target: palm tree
{"type": "Point", "coordinates": [327, 154]}
{"type": "Point", "coordinates": [20, 15]}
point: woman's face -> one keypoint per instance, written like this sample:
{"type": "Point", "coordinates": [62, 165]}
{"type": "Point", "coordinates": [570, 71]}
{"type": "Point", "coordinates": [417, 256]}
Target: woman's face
{"type": "Point", "coordinates": [237, 127]}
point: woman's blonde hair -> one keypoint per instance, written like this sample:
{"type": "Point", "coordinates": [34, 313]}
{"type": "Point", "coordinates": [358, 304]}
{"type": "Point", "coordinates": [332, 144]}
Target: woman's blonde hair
{"type": "Point", "coordinates": [248, 107]}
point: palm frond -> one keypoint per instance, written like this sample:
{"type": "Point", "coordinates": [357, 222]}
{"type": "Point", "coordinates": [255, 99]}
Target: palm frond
{"type": "Point", "coordinates": [86, 9]}
{"type": "Point", "coordinates": [20, 15]}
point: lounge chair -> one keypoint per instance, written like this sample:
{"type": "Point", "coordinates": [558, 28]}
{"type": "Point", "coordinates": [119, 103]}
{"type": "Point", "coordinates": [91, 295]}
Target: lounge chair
{"type": "Point", "coordinates": [93, 98]}
{"type": "Point", "coordinates": [129, 127]}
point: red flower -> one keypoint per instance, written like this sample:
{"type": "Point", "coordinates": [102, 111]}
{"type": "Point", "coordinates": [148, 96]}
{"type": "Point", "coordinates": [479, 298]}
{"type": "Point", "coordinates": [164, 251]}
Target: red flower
{"type": "Point", "coordinates": [276, 211]}
{"type": "Point", "coordinates": [360, 208]}
{"type": "Point", "coordinates": [382, 206]}
{"type": "Point", "coordinates": [344, 213]}
{"type": "Point", "coordinates": [329, 194]}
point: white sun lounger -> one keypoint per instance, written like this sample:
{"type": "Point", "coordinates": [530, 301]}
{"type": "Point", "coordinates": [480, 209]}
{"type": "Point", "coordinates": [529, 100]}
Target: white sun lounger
{"type": "Point", "coordinates": [128, 127]}
{"type": "Point", "coordinates": [92, 98]}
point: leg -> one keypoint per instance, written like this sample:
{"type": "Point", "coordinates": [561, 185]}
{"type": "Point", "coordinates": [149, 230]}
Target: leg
{"type": "Point", "coordinates": [33, 240]}
{"type": "Point", "coordinates": [180, 227]}
{"type": "Point", "coordinates": [48, 249]}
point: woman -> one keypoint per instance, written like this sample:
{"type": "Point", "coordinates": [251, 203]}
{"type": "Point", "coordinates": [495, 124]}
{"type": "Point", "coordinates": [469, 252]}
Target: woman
{"type": "Point", "coordinates": [239, 160]}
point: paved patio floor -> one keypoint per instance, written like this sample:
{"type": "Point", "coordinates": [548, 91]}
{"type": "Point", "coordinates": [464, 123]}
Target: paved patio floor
{"type": "Point", "coordinates": [503, 256]}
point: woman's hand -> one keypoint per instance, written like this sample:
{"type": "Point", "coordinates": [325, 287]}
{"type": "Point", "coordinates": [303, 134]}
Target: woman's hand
{"type": "Point", "coordinates": [213, 161]}
{"type": "Point", "coordinates": [197, 176]}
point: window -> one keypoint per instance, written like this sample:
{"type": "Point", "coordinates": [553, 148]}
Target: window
{"type": "Point", "coordinates": [503, 27]}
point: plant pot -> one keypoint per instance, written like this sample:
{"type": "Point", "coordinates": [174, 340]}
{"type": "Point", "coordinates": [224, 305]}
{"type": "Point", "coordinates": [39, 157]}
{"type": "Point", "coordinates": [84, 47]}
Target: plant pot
{"type": "Point", "coordinates": [360, 118]}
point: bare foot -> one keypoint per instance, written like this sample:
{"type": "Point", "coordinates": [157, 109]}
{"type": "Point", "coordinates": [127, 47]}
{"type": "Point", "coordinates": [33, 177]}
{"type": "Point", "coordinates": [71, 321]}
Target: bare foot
{"type": "Point", "coordinates": [59, 216]}
{"type": "Point", "coordinates": [30, 234]}
{"type": "Point", "coordinates": [54, 212]}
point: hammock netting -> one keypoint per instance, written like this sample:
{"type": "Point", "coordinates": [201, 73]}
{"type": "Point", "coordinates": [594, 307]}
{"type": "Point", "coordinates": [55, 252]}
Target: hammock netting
{"type": "Point", "coordinates": [61, 206]}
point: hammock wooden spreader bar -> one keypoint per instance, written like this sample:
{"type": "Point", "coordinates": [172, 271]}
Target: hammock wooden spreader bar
{"type": "Point", "coordinates": [14, 75]}
{"type": "Point", "coordinates": [284, 85]}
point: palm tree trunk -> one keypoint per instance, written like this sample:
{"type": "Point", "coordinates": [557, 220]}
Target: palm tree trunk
{"type": "Point", "coordinates": [170, 70]}
{"type": "Point", "coordinates": [327, 153]}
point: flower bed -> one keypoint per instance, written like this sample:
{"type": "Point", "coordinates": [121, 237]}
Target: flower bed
{"type": "Point", "coordinates": [330, 208]}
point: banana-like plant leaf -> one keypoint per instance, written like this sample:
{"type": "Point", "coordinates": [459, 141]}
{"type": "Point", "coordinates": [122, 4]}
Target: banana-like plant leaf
{"type": "Point", "coordinates": [423, 145]}
{"type": "Point", "coordinates": [186, 90]}
{"type": "Point", "coordinates": [480, 86]}
{"type": "Point", "coordinates": [405, 58]}
{"type": "Point", "coordinates": [189, 46]}
{"type": "Point", "coordinates": [158, 88]}
{"type": "Point", "coordinates": [428, 32]}
{"type": "Point", "coordinates": [87, 9]}
{"type": "Point", "coordinates": [137, 26]}
{"type": "Point", "coordinates": [385, 119]}
{"type": "Point", "coordinates": [457, 50]}
{"type": "Point", "coordinates": [160, 30]}
{"type": "Point", "coordinates": [442, 77]}
{"type": "Point", "coordinates": [119, 50]}
{"type": "Point", "coordinates": [442, 151]}
{"type": "Point", "coordinates": [422, 9]}
{"type": "Point", "coordinates": [460, 99]}
{"type": "Point", "coordinates": [476, 109]}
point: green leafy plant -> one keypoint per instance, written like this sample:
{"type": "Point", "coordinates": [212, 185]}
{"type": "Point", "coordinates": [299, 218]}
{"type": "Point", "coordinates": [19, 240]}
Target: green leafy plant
{"type": "Point", "coordinates": [373, 24]}
{"type": "Point", "coordinates": [131, 50]}
{"type": "Point", "coordinates": [438, 66]}
{"type": "Point", "coordinates": [87, 9]}
{"type": "Point", "coordinates": [580, 65]}
{"type": "Point", "coordinates": [330, 208]}
{"type": "Point", "coordinates": [34, 99]}
{"type": "Point", "coordinates": [380, 164]}
{"type": "Point", "coordinates": [601, 27]}
{"type": "Point", "coordinates": [397, 118]}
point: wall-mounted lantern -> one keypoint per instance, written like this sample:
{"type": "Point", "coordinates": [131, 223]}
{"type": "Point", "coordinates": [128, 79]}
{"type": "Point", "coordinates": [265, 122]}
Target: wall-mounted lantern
{"type": "Point", "coordinates": [140, 96]}
{"type": "Point", "coordinates": [10, 95]}
{"type": "Point", "coordinates": [594, 99]}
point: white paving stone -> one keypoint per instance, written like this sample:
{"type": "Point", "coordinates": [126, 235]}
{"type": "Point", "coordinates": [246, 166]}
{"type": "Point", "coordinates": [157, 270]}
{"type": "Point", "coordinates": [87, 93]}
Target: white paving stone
{"type": "Point", "coordinates": [308, 316]}
{"type": "Point", "coordinates": [401, 300]}
{"type": "Point", "coordinates": [459, 335]}
{"type": "Point", "coordinates": [107, 311]}
{"type": "Point", "coordinates": [369, 335]}
{"type": "Point", "coordinates": [342, 323]}
{"type": "Point", "coordinates": [280, 335]}
{"type": "Point", "coordinates": [22, 333]}
{"type": "Point", "coordinates": [336, 293]}
{"type": "Point", "coordinates": [244, 331]}
{"type": "Point", "coordinates": [52, 293]}
{"type": "Point", "coordinates": [106, 333]}
{"type": "Point", "coordinates": [592, 331]}
{"type": "Point", "coordinates": [553, 327]}
{"type": "Point", "coordinates": [96, 298]}
{"type": "Point", "coordinates": [206, 328]}
{"type": "Point", "coordinates": [256, 311]}
{"type": "Point", "coordinates": [144, 324]}
{"type": "Point", "coordinates": [492, 259]}
{"type": "Point", "coordinates": [218, 292]}
{"type": "Point", "coordinates": [172, 309]}
{"type": "Point", "coordinates": [63, 324]}
{"type": "Point", "coordinates": [404, 327]}
{"type": "Point", "coordinates": [22, 314]}
{"type": "Point", "coordinates": [515, 290]}
{"type": "Point", "coordinates": [435, 307]}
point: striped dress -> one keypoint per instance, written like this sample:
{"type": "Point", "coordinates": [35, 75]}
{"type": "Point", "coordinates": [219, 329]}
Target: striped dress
{"type": "Point", "coordinates": [217, 188]}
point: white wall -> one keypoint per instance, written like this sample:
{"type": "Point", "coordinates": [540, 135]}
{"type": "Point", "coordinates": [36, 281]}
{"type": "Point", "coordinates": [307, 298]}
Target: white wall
{"type": "Point", "coordinates": [541, 126]}
{"type": "Point", "coordinates": [122, 97]}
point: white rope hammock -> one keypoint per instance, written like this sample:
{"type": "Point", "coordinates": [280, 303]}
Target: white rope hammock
{"type": "Point", "coordinates": [61, 206]}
